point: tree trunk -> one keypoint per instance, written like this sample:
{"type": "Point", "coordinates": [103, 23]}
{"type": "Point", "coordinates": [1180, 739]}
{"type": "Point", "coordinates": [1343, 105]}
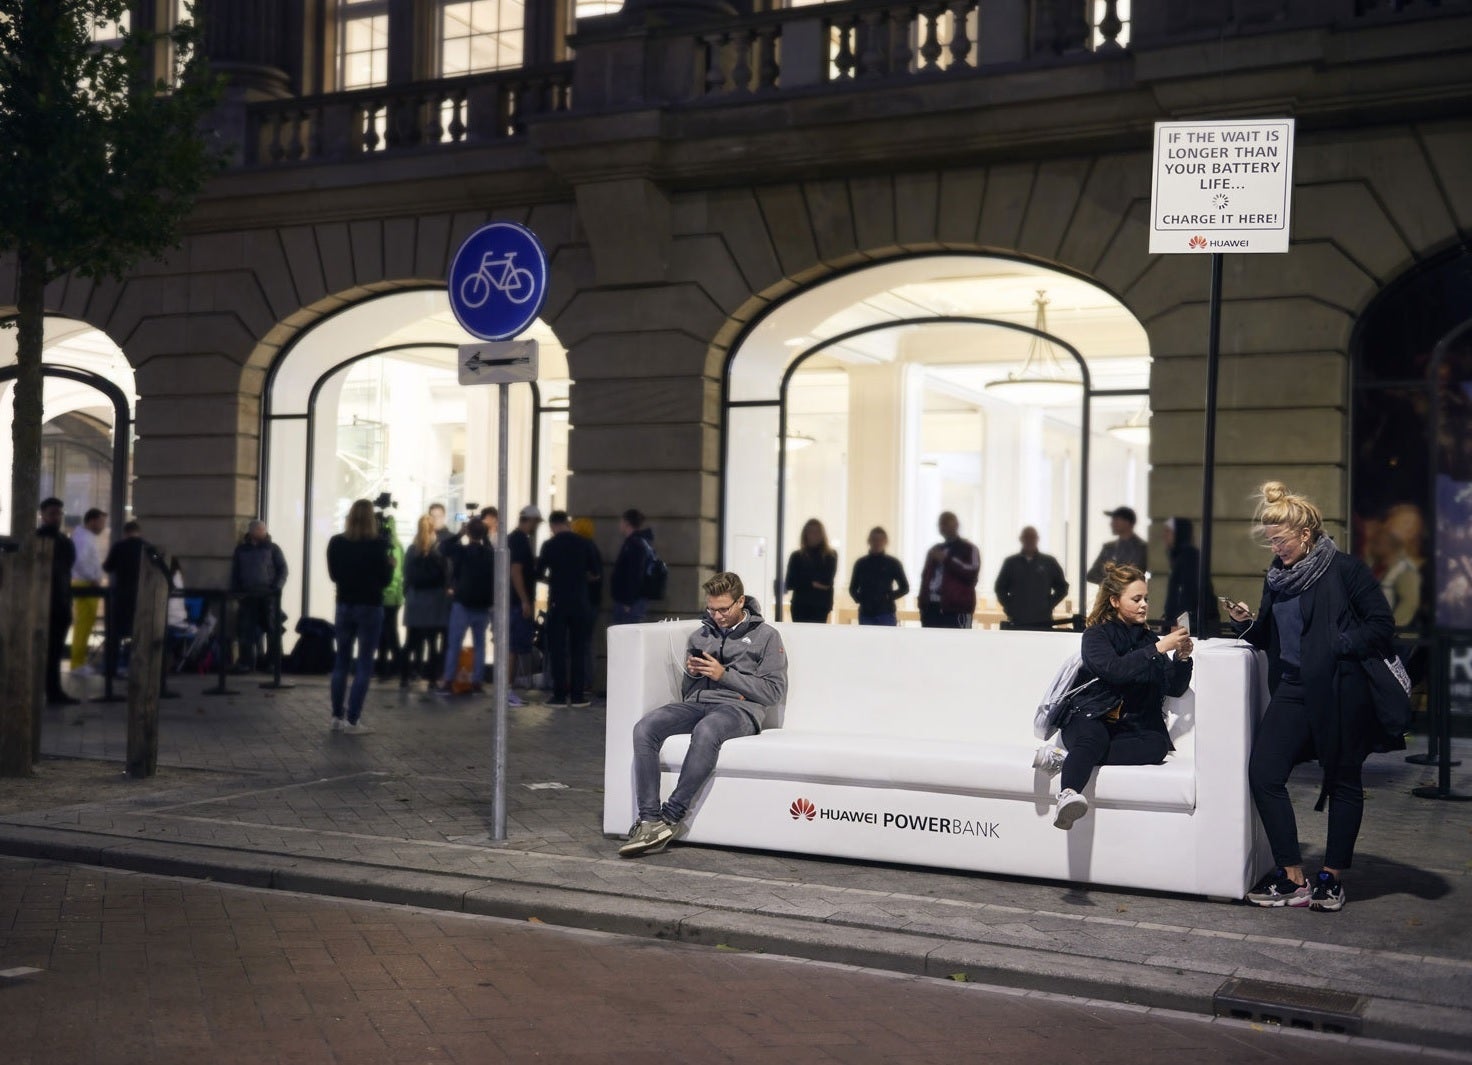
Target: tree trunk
{"type": "Point", "coordinates": [20, 675]}
{"type": "Point", "coordinates": [25, 474]}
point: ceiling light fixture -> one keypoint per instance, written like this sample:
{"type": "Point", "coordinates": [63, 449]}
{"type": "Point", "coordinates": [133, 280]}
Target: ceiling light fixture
{"type": "Point", "coordinates": [1043, 380]}
{"type": "Point", "coordinates": [1135, 430]}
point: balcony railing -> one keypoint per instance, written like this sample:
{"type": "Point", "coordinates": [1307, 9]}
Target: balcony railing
{"type": "Point", "coordinates": [454, 111]}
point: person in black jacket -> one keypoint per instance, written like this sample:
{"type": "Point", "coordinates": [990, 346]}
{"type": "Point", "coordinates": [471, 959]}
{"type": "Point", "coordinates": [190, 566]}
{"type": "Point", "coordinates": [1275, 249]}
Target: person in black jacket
{"type": "Point", "coordinates": [1030, 585]}
{"type": "Point", "coordinates": [810, 572]}
{"type": "Point", "coordinates": [1182, 591]}
{"type": "Point", "coordinates": [1120, 718]}
{"type": "Point", "coordinates": [258, 569]}
{"type": "Point", "coordinates": [878, 582]}
{"type": "Point", "coordinates": [568, 563]}
{"type": "Point", "coordinates": [360, 564]}
{"type": "Point", "coordinates": [630, 606]}
{"type": "Point", "coordinates": [1322, 614]}
{"type": "Point", "coordinates": [472, 594]}
{"type": "Point", "coordinates": [63, 558]}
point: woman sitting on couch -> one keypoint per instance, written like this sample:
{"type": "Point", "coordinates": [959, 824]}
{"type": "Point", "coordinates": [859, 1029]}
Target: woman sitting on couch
{"type": "Point", "coordinates": [1120, 719]}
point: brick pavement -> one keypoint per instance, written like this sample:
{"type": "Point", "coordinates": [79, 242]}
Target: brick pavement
{"type": "Point", "coordinates": [410, 801]}
{"type": "Point", "coordinates": [138, 968]}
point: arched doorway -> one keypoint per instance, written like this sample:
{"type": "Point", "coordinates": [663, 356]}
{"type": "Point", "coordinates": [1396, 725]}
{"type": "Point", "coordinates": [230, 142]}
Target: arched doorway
{"type": "Point", "coordinates": [368, 401]}
{"type": "Point", "coordinates": [874, 398]}
{"type": "Point", "coordinates": [1411, 460]}
{"type": "Point", "coordinates": [87, 421]}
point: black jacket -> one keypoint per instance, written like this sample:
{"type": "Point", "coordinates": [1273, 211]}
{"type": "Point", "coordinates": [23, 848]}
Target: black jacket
{"type": "Point", "coordinates": [1132, 674]}
{"type": "Point", "coordinates": [124, 564]}
{"type": "Point", "coordinates": [472, 573]}
{"type": "Point", "coordinates": [1029, 588]}
{"type": "Point", "coordinates": [257, 567]}
{"type": "Point", "coordinates": [629, 568]}
{"type": "Point", "coordinates": [878, 582]}
{"type": "Point", "coordinates": [361, 569]}
{"type": "Point", "coordinates": [806, 568]}
{"type": "Point", "coordinates": [1346, 620]}
{"type": "Point", "coordinates": [1181, 590]}
{"type": "Point", "coordinates": [63, 558]}
{"type": "Point", "coordinates": [567, 563]}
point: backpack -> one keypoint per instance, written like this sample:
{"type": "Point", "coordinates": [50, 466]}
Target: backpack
{"type": "Point", "coordinates": [1053, 712]}
{"type": "Point", "coordinates": [315, 648]}
{"type": "Point", "coordinates": [462, 683]}
{"type": "Point", "coordinates": [425, 571]}
{"type": "Point", "coordinates": [656, 577]}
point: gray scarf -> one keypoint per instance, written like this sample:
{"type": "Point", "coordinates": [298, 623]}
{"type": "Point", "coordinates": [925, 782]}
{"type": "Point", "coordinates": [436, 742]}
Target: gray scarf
{"type": "Point", "coordinates": [1288, 581]}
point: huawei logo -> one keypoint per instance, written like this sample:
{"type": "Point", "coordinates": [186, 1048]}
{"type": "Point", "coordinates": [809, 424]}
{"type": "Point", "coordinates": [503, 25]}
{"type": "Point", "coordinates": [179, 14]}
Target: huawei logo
{"type": "Point", "coordinates": [1197, 242]}
{"type": "Point", "coordinates": [802, 808]}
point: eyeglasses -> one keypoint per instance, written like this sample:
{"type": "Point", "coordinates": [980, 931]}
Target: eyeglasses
{"type": "Point", "coordinates": [722, 611]}
{"type": "Point", "coordinates": [1284, 541]}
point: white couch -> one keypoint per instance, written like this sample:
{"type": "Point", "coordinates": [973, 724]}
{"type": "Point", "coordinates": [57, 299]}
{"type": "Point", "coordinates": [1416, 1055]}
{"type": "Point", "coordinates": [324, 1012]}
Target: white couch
{"type": "Point", "coordinates": [915, 746]}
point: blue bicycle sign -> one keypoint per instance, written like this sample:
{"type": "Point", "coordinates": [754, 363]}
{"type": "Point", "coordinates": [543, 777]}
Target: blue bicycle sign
{"type": "Point", "coordinates": [498, 281]}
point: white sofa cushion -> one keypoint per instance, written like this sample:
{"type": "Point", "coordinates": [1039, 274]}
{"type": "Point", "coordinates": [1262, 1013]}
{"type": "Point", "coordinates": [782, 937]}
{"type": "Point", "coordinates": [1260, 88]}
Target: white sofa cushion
{"type": "Point", "coordinates": [1003, 770]}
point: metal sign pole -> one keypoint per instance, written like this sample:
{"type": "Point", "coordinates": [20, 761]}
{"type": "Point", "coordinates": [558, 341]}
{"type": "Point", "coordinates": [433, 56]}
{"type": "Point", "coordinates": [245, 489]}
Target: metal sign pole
{"type": "Point", "coordinates": [502, 635]}
{"type": "Point", "coordinates": [1208, 469]}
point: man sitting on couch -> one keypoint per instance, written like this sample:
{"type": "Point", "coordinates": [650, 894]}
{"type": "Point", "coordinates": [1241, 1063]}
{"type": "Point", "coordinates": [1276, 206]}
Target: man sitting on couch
{"type": "Point", "coordinates": [735, 671]}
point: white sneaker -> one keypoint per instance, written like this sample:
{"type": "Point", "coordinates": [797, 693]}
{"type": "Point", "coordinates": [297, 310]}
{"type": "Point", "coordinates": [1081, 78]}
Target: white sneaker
{"type": "Point", "coordinates": [84, 670]}
{"type": "Point", "coordinates": [358, 729]}
{"type": "Point", "coordinates": [338, 724]}
{"type": "Point", "coordinates": [1071, 806]}
{"type": "Point", "coordinates": [1049, 758]}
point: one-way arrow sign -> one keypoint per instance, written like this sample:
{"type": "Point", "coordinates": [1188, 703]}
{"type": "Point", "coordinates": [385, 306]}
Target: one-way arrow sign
{"type": "Point", "coordinates": [498, 363]}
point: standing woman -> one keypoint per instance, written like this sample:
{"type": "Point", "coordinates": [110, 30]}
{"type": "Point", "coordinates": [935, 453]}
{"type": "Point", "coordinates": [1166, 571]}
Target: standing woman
{"type": "Point", "coordinates": [426, 604]}
{"type": "Point", "coordinates": [810, 572]}
{"type": "Point", "coordinates": [360, 564]}
{"type": "Point", "coordinates": [1119, 719]}
{"type": "Point", "coordinates": [1322, 614]}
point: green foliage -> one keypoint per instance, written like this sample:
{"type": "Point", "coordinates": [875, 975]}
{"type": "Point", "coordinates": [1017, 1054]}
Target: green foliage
{"type": "Point", "coordinates": [100, 161]}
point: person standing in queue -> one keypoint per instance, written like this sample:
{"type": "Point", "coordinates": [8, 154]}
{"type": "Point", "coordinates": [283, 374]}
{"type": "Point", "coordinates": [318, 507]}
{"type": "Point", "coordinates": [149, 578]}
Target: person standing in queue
{"type": "Point", "coordinates": [1182, 587]}
{"type": "Point", "coordinates": [523, 566]}
{"type": "Point", "coordinates": [1119, 719]}
{"type": "Point", "coordinates": [810, 573]}
{"type": "Point", "coordinates": [1126, 549]}
{"type": "Point", "coordinates": [948, 582]}
{"type": "Point", "coordinates": [359, 563]}
{"type": "Point", "coordinates": [1322, 613]}
{"type": "Point", "coordinates": [570, 565]}
{"type": "Point", "coordinates": [1030, 585]}
{"type": "Point", "coordinates": [426, 576]}
{"type": "Point", "coordinates": [89, 543]}
{"type": "Point", "coordinates": [63, 558]}
{"type": "Point", "coordinates": [878, 582]}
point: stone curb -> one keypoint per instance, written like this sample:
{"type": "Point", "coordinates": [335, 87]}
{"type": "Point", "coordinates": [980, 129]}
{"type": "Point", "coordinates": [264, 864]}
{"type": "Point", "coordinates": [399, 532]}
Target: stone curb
{"type": "Point", "coordinates": [1088, 978]}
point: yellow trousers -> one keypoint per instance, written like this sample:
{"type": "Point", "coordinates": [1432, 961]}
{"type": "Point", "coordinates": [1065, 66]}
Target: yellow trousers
{"type": "Point", "coordinates": [84, 616]}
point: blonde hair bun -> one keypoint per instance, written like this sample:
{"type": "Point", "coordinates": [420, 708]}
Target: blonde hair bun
{"type": "Point", "coordinates": [1274, 492]}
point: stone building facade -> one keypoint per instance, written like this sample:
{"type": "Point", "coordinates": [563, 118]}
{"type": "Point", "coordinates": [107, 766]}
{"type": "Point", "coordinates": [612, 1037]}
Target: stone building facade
{"type": "Point", "coordinates": [690, 167]}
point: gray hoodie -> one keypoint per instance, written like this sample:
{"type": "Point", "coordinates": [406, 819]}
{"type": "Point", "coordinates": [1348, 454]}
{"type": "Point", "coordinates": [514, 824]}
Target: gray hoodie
{"type": "Point", "coordinates": [755, 661]}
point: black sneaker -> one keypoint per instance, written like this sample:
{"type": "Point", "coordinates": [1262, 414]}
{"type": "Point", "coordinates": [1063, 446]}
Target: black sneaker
{"type": "Point", "coordinates": [1328, 894]}
{"type": "Point", "coordinates": [1276, 889]}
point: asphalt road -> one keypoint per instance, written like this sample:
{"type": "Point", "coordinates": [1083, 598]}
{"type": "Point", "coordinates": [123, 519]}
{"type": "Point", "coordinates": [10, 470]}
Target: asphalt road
{"type": "Point", "coordinates": [137, 968]}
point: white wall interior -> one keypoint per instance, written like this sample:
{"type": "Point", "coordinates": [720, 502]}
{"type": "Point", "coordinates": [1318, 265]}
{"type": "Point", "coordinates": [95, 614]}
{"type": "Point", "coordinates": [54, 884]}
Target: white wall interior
{"type": "Point", "coordinates": [899, 423]}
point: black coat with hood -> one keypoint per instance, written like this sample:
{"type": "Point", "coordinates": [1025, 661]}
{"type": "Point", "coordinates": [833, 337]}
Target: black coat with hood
{"type": "Point", "coordinates": [1182, 591]}
{"type": "Point", "coordinates": [1346, 621]}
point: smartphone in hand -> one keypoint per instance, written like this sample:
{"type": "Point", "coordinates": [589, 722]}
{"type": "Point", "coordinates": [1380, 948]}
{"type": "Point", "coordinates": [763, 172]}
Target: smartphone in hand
{"type": "Point", "coordinates": [1184, 622]}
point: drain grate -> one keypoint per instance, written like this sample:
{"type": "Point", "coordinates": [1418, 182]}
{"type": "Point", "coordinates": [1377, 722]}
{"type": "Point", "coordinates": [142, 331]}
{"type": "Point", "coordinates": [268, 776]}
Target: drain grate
{"type": "Point", "coordinates": [1308, 1008]}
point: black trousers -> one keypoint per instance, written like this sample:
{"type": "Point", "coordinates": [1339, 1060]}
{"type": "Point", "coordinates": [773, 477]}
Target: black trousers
{"type": "Point", "coordinates": [932, 617]}
{"type": "Point", "coordinates": [56, 636]}
{"type": "Point", "coordinates": [1093, 742]}
{"type": "Point", "coordinates": [568, 635]}
{"type": "Point", "coordinates": [1281, 735]}
{"type": "Point", "coordinates": [390, 650]}
{"type": "Point", "coordinates": [806, 612]}
{"type": "Point", "coordinates": [423, 656]}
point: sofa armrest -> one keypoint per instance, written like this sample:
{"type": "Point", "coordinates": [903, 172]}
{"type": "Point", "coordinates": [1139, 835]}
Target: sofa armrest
{"type": "Point", "coordinates": [1229, 699]}
{"type": "Point", "coordinates": [642, 674]}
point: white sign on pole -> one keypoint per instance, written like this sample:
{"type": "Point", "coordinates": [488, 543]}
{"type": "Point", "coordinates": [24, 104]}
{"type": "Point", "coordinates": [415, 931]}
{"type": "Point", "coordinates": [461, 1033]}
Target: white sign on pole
{"type": "Point", "coordinates": [1221, 186]}
{"type": "Point", "coordinates": [498, 362]}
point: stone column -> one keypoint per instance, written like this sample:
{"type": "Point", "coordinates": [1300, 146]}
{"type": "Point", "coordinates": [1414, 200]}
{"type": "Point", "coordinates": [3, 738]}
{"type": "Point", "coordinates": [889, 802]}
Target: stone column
{"type": "Point", "coordinates": [246, 42]}
{"type": "Point", "coordinates": [878, 458]}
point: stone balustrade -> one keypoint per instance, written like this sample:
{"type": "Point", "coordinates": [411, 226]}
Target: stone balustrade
{"type": "Point", "coordinates": [433, 114]}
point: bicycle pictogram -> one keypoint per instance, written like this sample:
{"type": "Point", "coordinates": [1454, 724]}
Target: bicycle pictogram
{"type": "Point", "coordinates": [502, 275]}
